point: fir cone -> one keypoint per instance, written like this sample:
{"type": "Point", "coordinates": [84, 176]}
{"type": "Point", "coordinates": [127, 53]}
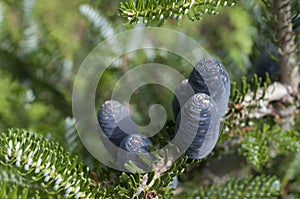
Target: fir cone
{"type": "Point", "coordinates": [210, 77]}
{"type": "Point", "coordinates": [199, 124]}
{"type": "Point", "coordinates": [111, 116]}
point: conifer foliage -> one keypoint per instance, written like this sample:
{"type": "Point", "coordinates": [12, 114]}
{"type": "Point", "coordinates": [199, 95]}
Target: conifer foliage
{"type": "Point", "coordinates": [41, 155]}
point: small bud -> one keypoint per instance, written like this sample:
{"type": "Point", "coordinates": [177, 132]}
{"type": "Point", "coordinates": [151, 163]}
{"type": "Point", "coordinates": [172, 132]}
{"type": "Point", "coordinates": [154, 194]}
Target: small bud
{"type": "Point", "coordinates": [134, 144]}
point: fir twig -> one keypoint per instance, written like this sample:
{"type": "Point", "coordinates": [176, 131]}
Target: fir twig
{"type": "Point", "coordinates": [46, 162]}
{"type": "Point", "coordinates": [160, 10]}
{"type": "Point", "coordinates": [262, 187]}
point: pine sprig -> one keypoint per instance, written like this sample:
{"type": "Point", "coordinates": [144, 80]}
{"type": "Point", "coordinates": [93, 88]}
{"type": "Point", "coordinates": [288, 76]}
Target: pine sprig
{"type": "Point", "coordinates": [155, 183]}
{"type": "Point", "coordinates": [12, 181]}
{"type": "Point", "coordinates": [264, 142]}
{"type": "Point", "coordinates": [254, 147]}
{"type": "Point", "coordinates": [2, 21]}
{"type": "Point", "coordinates": [244, 103]}
{"type": "Point", "coordinates": [161, 10]}
{"type": "Point", "coordinates": [10, 175]}
{"type": "Point", "coordinates": [30, 34]}
{"type": "Point", "coordinates": [12, 185]}
{"type": "Point", "coordinates": [71, 136]}
{"type": "Point", "coordinates": [47, 163]}
{"type": "Point", "coordinates": [103, 26]}
{"type": "Point", "coordinates": [8, 191]}
{"type": "Point", "coordinates": [260, 187]}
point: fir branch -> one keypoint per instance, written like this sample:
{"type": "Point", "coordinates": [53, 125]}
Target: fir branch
{"type": "Point", "coordinates": [8, 191]}
{"type": "Point", "coordinates": [8, 174]}
{"type": "Point", "coordinates": [160, 10]}
{"type": "Point", "coordinates": [157, 182]}
{"type": "Point", "coordinates": [277, 23]}
{"type": "Point", "coordinates": [285, 39]}
{"type": "Point", "coordinates": [254, 147]}
{"type": "Point", "coordinates": [245, 101]}
{"type": "Point", "coordinates": [5, 43]}
{"type": "Point", "coordinates": [12, 181]}
{"type": "Point", "coordinates": [71, 135]}
{"type": "Point", "coordinates": [252, 101]}
{"type": "Point", "coordinates": [291, 173]}
{"type": "Point", "coordinates": [99, 22]}
{"type": "Point", "coordinates": [1, 20]}
{"type": "Point", "coordinates": [260, 187]}
{"type": "Point", "coordinates": [147, 183]}
{"type": "Point", "coordinates": [46, 162]}
{"type": "Point", "coordinates": [264, 142]}
{"type": "Point", "coordinates": [259, 143]}
{"type": "Point", "coordinates": [30, 40]}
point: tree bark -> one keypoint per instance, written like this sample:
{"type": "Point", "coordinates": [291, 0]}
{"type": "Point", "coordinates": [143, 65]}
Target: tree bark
{"type": "Point", "coordinates": [285, 36]}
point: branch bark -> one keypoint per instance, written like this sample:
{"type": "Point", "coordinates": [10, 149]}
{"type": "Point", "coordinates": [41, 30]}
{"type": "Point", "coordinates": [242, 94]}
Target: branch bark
{"type": "Point", "coordinates": [286, 42]}
{"type": "Point", "coordinates": [276, 92]}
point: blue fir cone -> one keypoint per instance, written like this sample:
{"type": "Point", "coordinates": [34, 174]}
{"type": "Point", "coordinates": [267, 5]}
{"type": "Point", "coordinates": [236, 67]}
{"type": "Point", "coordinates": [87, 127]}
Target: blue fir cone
{"type": "Point", "coordinates": [197, 122]}
{"type": "Point", "coordinates": [111, 116]}
{"type": "Point", "coordinates": [210, 77]}
{"type": "Point", "coordinates": [182, 93]}
{"type": "Point", "coordinates": [198, 105]}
